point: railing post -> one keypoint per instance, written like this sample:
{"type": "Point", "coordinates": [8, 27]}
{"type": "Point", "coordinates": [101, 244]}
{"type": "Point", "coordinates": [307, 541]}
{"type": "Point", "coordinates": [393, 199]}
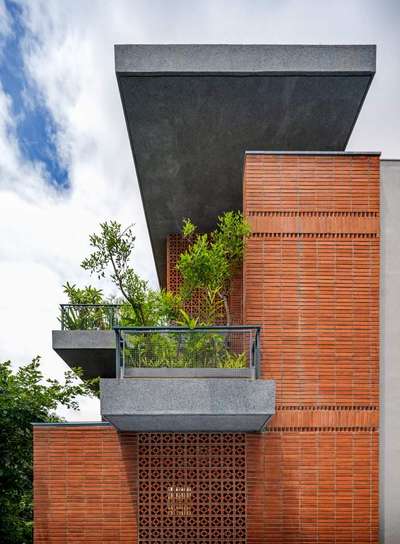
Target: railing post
{"type": "Point", "coordinates": [257, 353]}
{"type": "Point", "coordinates": [117, 353]}
{"type": "Point", "coordinates": [62, 317]}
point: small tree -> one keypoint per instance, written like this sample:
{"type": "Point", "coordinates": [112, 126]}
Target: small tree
{"type": "Point", "coordinates": [211, 261]}
{"type": "Point", "coordinates": [25, 397]}
{"type": "Point", "coordinates": [112, 257]}
{"type": "Point", "coordinates": [112, 252]}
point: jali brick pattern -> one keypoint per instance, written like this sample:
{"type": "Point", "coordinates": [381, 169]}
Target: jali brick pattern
{"type": "Point", "coordinates": [192, 488]}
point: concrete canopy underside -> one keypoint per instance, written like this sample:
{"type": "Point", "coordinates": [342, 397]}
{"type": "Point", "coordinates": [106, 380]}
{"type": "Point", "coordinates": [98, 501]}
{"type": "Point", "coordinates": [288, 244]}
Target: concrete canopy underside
{"type": "Point", "coordinates": [187, 405]}
{"type": "Point", "coordinates": [192, 112]}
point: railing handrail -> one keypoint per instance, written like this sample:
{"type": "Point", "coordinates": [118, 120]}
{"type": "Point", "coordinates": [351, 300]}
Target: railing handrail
{"type": "Point", "coordinates": [189, 329]}
{"type": "Point", "coordinates": [254, 354]}
{"type": "Point", "coordinates": [88, 311]}
{"type": "Point", "coordinates": [101, 305]}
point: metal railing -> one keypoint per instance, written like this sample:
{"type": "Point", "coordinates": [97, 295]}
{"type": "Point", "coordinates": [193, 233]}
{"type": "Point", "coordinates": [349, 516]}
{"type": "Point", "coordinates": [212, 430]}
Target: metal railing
{"type": "Point", "coordinates": [89, 316]}
{"type": "Point", "coordinates": [178, 347]}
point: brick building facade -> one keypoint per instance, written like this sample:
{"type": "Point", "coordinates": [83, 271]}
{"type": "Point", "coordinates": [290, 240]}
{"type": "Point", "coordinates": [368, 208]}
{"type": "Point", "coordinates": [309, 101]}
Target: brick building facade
{"type": "Point", "coordinates": [285, 450]}
{"type": "Point", "coordinates": [311, 280]}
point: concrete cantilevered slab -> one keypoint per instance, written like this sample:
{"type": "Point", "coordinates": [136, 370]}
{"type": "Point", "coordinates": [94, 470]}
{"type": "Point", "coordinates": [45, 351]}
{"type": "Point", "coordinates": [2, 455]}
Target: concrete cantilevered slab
{"type": "Point", "coordinates": [193, 110]}
{"type": "Point", "coordinates": [187, 405]}
{"type": "Point", "coordinates": [93, 351]}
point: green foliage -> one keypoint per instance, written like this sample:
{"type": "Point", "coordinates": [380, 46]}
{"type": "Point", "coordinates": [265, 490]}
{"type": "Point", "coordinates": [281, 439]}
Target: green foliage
{"type": "Point", "coordinates": [235, 360]}
{"type": "Point", "coordinates": [176, 350]}
{"type": "Point", "coordinates": [25, 397]}
{"type": "Point", "coordinates": [85, 295]}
{"type": "Point", "coordinates": [211, 260]}
{"type": "Point", "coordinates": [185, 320]}
{"type": "Point", "coordinates": [160, 308]}
{"type": "Point", "coordinates": [112, 253]}
{"type": "Point", "coordinates": [85, 318]}
{"type": "Point", "coordinates": [188, 228]}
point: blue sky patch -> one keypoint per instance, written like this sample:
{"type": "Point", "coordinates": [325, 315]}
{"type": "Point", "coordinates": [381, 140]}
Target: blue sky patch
{"type": "Point", "coordinates": [35, 126]}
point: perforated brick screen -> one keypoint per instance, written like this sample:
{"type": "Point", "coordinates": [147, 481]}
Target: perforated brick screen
{"type": "Point", "coordinates": [176, 245]}
{"type": "Point", "coordinates": [192, 488]}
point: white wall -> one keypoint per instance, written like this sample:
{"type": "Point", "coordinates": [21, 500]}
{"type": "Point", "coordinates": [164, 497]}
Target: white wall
{"type": "Point", "coordinates": [390, 353]}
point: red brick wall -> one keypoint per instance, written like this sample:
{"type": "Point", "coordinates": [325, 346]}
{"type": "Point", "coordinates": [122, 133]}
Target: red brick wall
{"type": "Point", "coordinates": [311, 279]}
{"type": "Point", "coordinates": [85, 481]}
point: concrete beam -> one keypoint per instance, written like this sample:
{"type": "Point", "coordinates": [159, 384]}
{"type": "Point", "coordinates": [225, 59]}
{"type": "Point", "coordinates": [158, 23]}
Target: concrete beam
{"type": "Point", "coordinates": [93, 351]}
{"type": "Point", "coordinates": [187, 405]}
{"type": "Point", "coordinates": [193, 110]}
{"type": "Point", "coordinates": [244, 59]}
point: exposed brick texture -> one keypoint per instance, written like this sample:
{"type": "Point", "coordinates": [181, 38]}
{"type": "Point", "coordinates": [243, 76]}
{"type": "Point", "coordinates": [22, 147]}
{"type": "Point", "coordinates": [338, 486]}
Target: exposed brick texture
{"type": "Point", "coordinates": [311, 279]}
{"type": "Point", "coordinates": [312, 487]}
{"type": "Point", "coordinates": [85, 485]}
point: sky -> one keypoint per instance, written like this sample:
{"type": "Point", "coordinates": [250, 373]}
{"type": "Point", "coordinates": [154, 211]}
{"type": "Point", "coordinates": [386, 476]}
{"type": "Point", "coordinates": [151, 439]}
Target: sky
{"type": "Point", "coordinates": [65, 160]}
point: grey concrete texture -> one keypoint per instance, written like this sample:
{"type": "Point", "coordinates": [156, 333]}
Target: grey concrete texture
{"type": "Point", "coordinates": [193, 424]}
{"type": "Point", "coordinates": [193, 111]}
{"type": "Point", "coordinates": [168, 373]}
{"type": "Point", "coordinates": [93, 351]}
{"type": "Point", "coordinates": [390, 353]}
{"type": "Point", "coordinates": [187, 403]}
{"type": "Point", "coordinates": [244, 59]}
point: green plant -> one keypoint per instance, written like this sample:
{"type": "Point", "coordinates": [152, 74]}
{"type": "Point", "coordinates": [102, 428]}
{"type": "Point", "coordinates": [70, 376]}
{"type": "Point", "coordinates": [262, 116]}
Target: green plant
{"type": "Point", "coordinates": [234, 360]}
{"type": "Point", "coordinates": [26, 397]}
{"type": "Point", "coordinates": [111, 256]}
{"type": "Point", "coordinates": [211, 261]}
{"type": "Point", "coordinates": [78, 316]}
{"type": "Point", "coordinates": [178, 349]}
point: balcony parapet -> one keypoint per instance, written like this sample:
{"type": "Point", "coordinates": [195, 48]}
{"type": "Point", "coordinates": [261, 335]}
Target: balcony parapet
{"type": "Point", "coordinates": [89, 316]}
{"type": "Point", "coordinates": [188, 352]}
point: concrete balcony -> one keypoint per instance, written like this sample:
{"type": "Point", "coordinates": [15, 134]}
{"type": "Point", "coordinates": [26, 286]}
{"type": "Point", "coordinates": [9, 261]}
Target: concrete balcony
{"type": "Point", "coordinates": [174, 379]}
{"type": "Point", "coordinates": [87, 338]}
{"type": "Point", "coordinates": [93, 351]}
{"type": "Point", "coordinates": [188, 405]}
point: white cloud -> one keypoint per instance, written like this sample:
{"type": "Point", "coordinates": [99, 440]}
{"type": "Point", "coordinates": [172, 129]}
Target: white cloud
{"type": "Point", "coordinates": [69, 55]}
{"type": "Point", "coordinates": [4, 20]}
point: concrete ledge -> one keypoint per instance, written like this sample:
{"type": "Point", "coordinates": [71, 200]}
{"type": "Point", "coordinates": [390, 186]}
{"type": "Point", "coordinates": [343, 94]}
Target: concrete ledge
{"type": "Point", "coordinates": [244, 59]}
{"type": "Point", "coordinates": [187, 405]}
{"type": "Point", "coordinates": [167, 373]}
{"type": "Point", "coordinates": [83, 340]}
{"type": "Point", "coordinates": [242, 423]}
{"type": "Point", "coordinates": [93, 351]}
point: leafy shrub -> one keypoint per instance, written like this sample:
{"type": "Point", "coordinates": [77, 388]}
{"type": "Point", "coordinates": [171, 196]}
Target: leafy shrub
{"type": "Point", "coordinates": [180, 350]}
